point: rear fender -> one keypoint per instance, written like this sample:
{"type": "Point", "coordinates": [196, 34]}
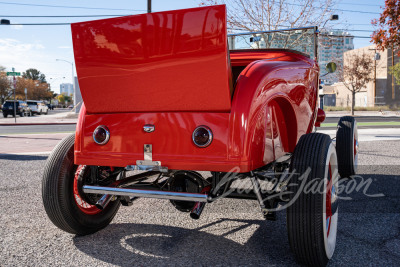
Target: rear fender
{"type": "Point", "coordinates": [271, 109]}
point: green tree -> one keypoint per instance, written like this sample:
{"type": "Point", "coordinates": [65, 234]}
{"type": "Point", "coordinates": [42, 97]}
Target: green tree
{"type": "Point", "coordinates": [34, 74]}
{"type": "Point", "coordinates": [395, 71]}
{"type": "Point", "coordinates": [61, 99]}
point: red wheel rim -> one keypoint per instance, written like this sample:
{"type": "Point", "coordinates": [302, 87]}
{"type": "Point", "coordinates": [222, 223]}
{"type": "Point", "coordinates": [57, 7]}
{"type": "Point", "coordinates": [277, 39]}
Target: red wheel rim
{"type": "Point", "coordinates": [82, 205]}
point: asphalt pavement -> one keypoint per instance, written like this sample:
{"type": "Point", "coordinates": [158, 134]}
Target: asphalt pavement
{"type": "Point", "coordinates": [230, 232]}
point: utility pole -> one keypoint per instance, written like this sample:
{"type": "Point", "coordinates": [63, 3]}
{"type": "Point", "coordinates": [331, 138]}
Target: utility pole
{"type": "Point", "coordinates": [148, 6]}
{"type": "Point", "coordinates": [393, 95]}
{"type": "Point", "coordinates": [376, 57]}
{"type": "Point", "coordinates": [15, 104]}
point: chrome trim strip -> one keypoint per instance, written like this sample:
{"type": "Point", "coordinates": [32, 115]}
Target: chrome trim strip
{"type": "Point", "coordinates": [89, 189]}
{"type": "Point", "coordinates": [147, 166]}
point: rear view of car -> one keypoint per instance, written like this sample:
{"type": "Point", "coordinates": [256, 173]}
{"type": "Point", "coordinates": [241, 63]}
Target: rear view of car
{"type": "Point", "coordinates": [21, 107]}
{"type": "Point", "coordinates": [38, 107]}
{"type": "Point", "coordinates": [183, 103]}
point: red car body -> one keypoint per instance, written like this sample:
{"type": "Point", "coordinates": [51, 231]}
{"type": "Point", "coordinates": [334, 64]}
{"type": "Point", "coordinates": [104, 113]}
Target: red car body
{"type": "Point", "coordinates": [173, 70]}
{"type": "Point", "coordinates": [164, 97]}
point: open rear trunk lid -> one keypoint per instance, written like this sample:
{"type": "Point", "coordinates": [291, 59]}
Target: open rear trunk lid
{"type": "Point", "coordinates": [157, 62]}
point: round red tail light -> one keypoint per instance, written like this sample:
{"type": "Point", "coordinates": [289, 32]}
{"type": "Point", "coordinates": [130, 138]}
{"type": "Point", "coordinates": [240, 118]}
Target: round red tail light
{"type": "Point", "coordinates": [101, 135]}
{"type": "Point", "coordinates": [202, 136]}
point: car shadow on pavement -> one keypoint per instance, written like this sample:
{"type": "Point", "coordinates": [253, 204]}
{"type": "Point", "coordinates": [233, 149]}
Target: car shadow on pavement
{"type": "Point", "coordinates": [368, 233]}
{"type": "Point", "coordinates": [150, 244]}
{"type": "Point", "coordinates": [22, 157]}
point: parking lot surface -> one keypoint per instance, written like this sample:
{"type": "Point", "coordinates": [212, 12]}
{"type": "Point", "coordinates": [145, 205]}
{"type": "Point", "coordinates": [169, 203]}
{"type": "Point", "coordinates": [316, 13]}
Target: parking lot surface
{"type": "Point", "coordinates": [230, 232]}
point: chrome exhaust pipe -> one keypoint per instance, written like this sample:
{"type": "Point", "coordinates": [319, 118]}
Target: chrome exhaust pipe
{"type": "Point", "coordinates": [116, 191]}
{"type": "Point", "coordinates": [103, 201]}
{"type": "Point", "coordinates": [198, 208]}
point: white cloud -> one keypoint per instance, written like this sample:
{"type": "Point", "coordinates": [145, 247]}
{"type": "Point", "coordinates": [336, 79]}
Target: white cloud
{"type": "Point", "coordinates": [12, 46]}
{"type": "Point", "coordinates": [17, 27]}
{"type": "Point", "coordinates": [24, 55]}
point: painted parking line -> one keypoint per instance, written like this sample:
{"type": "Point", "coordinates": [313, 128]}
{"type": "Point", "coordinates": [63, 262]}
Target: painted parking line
{"type": "Point", "coordinates": [39, 153]}
{"type": "Point", "coordinates": [376, 123]}
{"type": "Point", "coordinates": [376, 134]}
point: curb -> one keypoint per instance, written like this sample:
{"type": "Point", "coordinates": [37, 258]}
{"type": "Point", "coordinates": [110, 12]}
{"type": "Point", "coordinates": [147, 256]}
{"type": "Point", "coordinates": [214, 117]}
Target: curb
{"type": "Point", "coordinates": [38, 123]}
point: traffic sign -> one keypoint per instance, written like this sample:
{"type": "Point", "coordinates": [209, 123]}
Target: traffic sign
{"type": "Point", "coordinates": [13, 73]}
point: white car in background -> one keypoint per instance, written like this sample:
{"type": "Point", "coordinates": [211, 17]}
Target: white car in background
{"type": "Point", "coordinates": [38, 107]}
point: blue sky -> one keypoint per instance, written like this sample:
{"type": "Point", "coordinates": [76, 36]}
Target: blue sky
{"type": "Point", "coordinates": [38, 47]}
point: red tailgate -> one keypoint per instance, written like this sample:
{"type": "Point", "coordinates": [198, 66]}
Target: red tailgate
{"type": "Point", "coordinates": [158, 62]}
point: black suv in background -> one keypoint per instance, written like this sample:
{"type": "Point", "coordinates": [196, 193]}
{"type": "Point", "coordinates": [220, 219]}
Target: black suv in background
{"type": "Point", "coordinates": [22, 108]}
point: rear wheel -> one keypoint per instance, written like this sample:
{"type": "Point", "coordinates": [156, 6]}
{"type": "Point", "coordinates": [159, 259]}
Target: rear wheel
{"type": "Point", "coordinates": [347, 146]}
{"type": "Point", "coordinates": [5, 115]}
{"type": "Point", "coordinates": [313, 214]}
{"type": "Point", "coordinates": [64, 201]}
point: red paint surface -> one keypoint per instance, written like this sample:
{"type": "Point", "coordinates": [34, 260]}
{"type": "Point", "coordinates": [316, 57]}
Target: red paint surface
{"type": "Point", "coordinates": [320, 117]}
{"type": "Point", "coordinates": [163, 61]}
{"type": "Point", "coordinates": [273, 104]}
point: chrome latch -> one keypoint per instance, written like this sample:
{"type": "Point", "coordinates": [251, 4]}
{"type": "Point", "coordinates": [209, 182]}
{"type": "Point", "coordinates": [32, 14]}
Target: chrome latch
{"type": "Point", "coordinates": [148, 163]}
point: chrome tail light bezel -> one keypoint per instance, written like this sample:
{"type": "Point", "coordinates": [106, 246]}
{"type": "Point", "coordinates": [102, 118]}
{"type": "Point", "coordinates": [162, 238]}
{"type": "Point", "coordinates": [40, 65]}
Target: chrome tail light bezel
{"type": "Point", "coordinates": [105, 141]}
{"type": "Point", "coordinates": [210, 134]}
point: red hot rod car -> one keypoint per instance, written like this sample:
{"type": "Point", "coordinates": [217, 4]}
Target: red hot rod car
{"type": "Point", "coordinates": [165, 97]}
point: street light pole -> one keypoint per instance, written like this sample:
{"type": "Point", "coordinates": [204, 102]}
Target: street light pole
{"type": "Point", "coordinates": [376, 57]}
{"type": "Point", "coordinates": [72, 71]}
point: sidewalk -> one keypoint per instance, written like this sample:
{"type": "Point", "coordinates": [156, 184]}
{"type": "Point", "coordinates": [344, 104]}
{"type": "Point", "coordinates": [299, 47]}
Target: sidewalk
{"type": "Point", "coordinates": [30, 144]}
{"type": "Point", "coordinates": [363, 113]}
{"type": "Point", "coordinates": [66, 117]}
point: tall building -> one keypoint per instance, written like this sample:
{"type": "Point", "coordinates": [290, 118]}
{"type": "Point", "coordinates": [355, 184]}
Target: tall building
{"type": "Point", "coordinates": [66, 89]}
{"type": "Point", "coordinates": [332, 46]}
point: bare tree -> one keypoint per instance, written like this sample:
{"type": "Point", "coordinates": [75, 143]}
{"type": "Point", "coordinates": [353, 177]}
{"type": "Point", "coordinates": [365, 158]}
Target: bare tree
{"type": "Point", "coordinates": [266, 15]}
{"type": "Point", "coordinates": [356, 74]}
{"type": "Point", "coordinates": [271, 15]}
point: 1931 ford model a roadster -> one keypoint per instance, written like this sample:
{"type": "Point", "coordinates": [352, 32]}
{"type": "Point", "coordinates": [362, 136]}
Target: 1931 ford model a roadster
{"type": "Point", "coordinates": [165, 96]}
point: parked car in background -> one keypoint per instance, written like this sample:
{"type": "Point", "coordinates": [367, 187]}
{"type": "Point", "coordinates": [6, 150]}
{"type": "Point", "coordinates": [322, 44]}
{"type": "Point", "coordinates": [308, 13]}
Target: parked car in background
{"type": "Point", "coordinates": [38, 107]}
{"type": "Point", "coordinates": [22, 108]}
{"type": "Point", "coordinates": [50, 106]}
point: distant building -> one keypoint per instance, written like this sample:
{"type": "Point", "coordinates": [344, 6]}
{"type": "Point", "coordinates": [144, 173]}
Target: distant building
{"type": "Point", "coordinates": [66, 89]}
{"type": "Point", "coordinates": [378, 92]}
{"type": "Point", "coordinates": [332, 46]}
{"type": "Point", "coordinates": [78, 101]}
